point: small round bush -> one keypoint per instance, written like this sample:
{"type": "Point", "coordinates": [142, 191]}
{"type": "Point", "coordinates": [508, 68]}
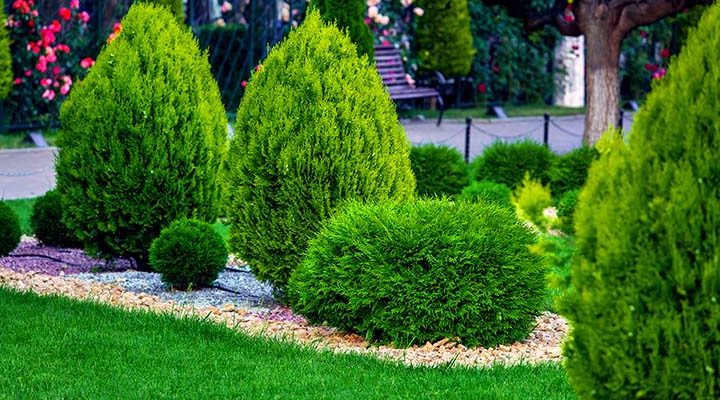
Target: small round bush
{"type": "Point", "coordinates": [570, 171]}
{"type": "Point", "coordinates": [507, 163]}
{"type": "Point", "coordinates": [46, 222]}
{"type": "Point", "coordinates": [439, 170]}
{"type": "Point", "coordinates": [422, 270]}
{"type": "Point", "coordinates": [532, 198]}
{"type": "Point", "coordinates": [188, 254]}
{"type": "Point", "coordinates": [487, 191]}
{"type": "Point", "coordinates": [566, 209]}
{"type": "Point", "coordinates": [9, 229]}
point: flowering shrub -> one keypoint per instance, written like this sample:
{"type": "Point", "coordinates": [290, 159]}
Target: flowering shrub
{"type": "Point", "coordinates": [5, 60]}
{"type": "Point", "coordinates": [392, 23]}
{"type": "Point", "coordinates": [44, 62]}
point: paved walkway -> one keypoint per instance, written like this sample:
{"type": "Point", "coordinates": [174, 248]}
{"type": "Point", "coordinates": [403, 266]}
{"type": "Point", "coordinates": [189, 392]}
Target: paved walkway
{"type": "Point", "coordinates": [30, 173]}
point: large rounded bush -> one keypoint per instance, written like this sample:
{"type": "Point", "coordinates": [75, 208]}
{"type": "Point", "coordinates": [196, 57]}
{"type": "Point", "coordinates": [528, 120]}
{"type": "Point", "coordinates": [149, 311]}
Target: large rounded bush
{"type": "Point", "coordinates": [143, 138]}
{"type": "Point", "coordinates": [315, 128]}
{"type": "Point", "coordinates": [487, 191]}
{"type": "Point", "coordinates": [46, 222]}
{"type": "Point", "coordinates": [507, 163]}
{"type": "Point", "coordinates": [349, 15]}
{"type": "Point", "coordinates": [569, 171]}
{"type": "Point", "coordinates": [9, 229]}
{"type": "Point", "coordinates": [645, 309]}
{"type": "Point", "coordinates": [6, 74]}
{"type": "Point", "coordinates": [444, 38]}
{"type": "Point", "coordinates": [188, 254]}
{"type": "Point", "coordinates": [421, 271]}
{"type": "Point", "coordinates": [439, 170]}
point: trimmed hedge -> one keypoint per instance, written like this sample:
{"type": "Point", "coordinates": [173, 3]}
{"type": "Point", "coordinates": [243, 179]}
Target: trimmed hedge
{"type": "Point", "coordinates": [6, 74]}
{"type": "Point", "coordinates": [439, 170]}
{"type": "Point", "coordinates": [349, 15]}
{"type": "Point", "coordinates": [487, 191]}
{"type": "Point", "coordinates": [315, 128]}
{"type": "Point", "coordinates": [9, 229]}
{"type": "Point", "coordinates": [46, 222]}
{"type": "Point", "coordinates": [507, 163]}
{"type": "Point", "coordinates": [144, 138]}
{"type": "Point", "coordinates": [421, 271]}
{"type": "Point", "coordinates": [645, 309]}
{"type": "Point", "coordinates": [188, 254]}
{"type": "Point", "coordinates": [569, 171]}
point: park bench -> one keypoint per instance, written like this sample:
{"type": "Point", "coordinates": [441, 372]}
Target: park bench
{"type": "Point", "coordinates": [392, 71]}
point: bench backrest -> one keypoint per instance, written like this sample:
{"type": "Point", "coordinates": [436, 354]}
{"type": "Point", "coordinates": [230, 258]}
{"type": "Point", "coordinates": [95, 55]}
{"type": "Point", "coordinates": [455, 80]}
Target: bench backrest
{"type": "Point", "coordinates": [390, 66]}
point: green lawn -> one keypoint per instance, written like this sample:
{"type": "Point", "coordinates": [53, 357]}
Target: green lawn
{"type": "Point", "coordinates": [528, 110]}
{"type": "Point", "coordinates": [54, 347]}
{"type": "Point", "coordinates": [17, 140]}
{"type": "Point", "coordinates": [23, 208]}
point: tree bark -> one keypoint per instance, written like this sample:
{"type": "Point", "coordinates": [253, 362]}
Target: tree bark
{"type": "Point", "coordinates": [602, 84]}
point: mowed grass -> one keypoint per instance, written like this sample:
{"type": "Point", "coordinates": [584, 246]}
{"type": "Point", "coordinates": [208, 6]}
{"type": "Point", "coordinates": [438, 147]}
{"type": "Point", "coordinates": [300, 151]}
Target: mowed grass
{"type": "Point", "coordinates": [23, 209]}
{"type": "Point", "coordinates": [53, 347]}
{"type": "Point", "coordinates": [19, 140]}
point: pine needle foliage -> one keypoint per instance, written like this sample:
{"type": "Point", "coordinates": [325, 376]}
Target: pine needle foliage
{"type": "Point", "coordinates": [487, 191]}
{"type": "Point", "coordinates": [645, 310]}
{"type": "Point", "coordinates": [507, 163]}
{"type": "Point", "coordinates": [143, 138]}
{"type": "Point", "coordinates": [569, 171]}
{"type": "Point", "coordinates": [314, 129]}
{"type": "Point", "coordinates": [421, 271]}
{"type": "Point", "coordinates": [439, 170]}
{"type": "Point", "coordinates": [444, 39]}
{"type": "Point", "coordinates": [6, 77]}
{"type": "Point", "coordinates": [349, 15]}
{"type": "Point", "coordinates": [175, 6]}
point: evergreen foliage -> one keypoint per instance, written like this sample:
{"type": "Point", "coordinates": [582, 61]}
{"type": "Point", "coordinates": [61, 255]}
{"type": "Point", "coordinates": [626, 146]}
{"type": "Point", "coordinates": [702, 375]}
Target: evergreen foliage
{"type": "Point", "coordinates": [566, 210]}
{"type": "Point", "coordinates": [488, 191]}
{"type": "Point", "coordinates": [644, 310]}
{"type": "Point", "coordinates": [46, 222]}
{"type": "Point", "coordinates": [143, 138]}
{"type": "Point", "coordinates": [315, 128]}
{"type": "Point", "coordinates": [443, 37]}
{"type": "Point", "coordinates": [421, 271]}
{"type": "Point", "coordinates": [507, 163]}
{"type": "Point", "coordinates": [6, 74]}
{"type": "Point", "coordinates": [189, 254]}
{"type": "Point", "coordinates": [9, 229]}
{"type": "Point", "coordinates": [439, 170]}
{"type": "Point", "coordinates": [175, 6]}
{"type": "Point", "coordinates": [569, 171]}
{"type": "Point", "coordinates": [531, 199]}
{"type": "Point", "coordinates": [349, 15]}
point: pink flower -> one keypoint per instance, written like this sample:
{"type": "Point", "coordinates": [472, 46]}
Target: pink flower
{"type": "Point", "coordinates": [63, 48]}
{"type": "Point", "coordinates": [49, 94]}
{"type": "Point", "coordinates": [117, 28]}
{"type": "Point", "coordinates": [643, 34]}
{"type": "Point", "coordinates": [65, 13]}
{"type": "Point", "coordinates": [243, 83]}
{"type": "Point", "coordinates": [56, 70]}
{"type": "Point", "coordinates": [75, 4]}
{"type": "Point", "coordinates": [87, 62]}
{"type": "Point", "coordinates": [55, 26]}
{"type": "Point", "coordinates": [41, 64]}
{"type": "Point", "coordinates": [481, 88]}
{"type": "Point", "coordinates": [28, 73]}
{"type": "Point", "coordinates": [45, 82]}
{"type": "Point", "coordinates": [84, 17]}
{"type": "Point", "coordinates": [18, 81]}
{"type": "Point", "coordinates": [651, 67]}
{"type": "Point", "coordinates": [225, 7]}
{"type": "Point", "coordinates": [67, 79]}
{"type": "Point", "coordinates": [48, 37]}
{"type": "Point", "coordinates": [64, 89]}
{"type": "Point", "coordinates": [51, 57]}
{"type": "Point", "coordinates": [665, 53]}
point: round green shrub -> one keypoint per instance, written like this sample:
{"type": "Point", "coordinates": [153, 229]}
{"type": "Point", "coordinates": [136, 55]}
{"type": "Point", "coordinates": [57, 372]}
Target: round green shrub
{"type": "Point", "coordinates": [488, 191]}
{"type": "Point", "coordinates": [314, 129]}
{"type": "Point", "coordinates": [569, 171]}
{"type": "Point", "coordinates": [188, 254]}
{"type": "Point", "coordinates": [566, 209]}
{"type": "Point", "coordinates": [532, 198]}
{"type": "Point", "coordinates": [143, 138]}
{"type": "Point", "coordinates": [507, 163]}
{"type": "Point", "coordinates": [645, 309]}
{"type": "Point", "coordinates": [443, 37]}
{"type": "Point", "coordinates": [9, 229]}
{"type": "Point", "coordinates": [349, 15]}
{"type": "Point", "coordinates": [175, 6]}
{"type": "Point", "coordinates": [46, 222]}
{"type": "Point", "coordinates": [420, 271]}
{"type": "Point", "coordinates": [6, 74]}
{"type": "Point", "coordinates": [439, 170]}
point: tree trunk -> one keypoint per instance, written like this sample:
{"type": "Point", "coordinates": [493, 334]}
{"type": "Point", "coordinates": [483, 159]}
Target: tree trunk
{"type": "Point", "coordinates": [602, 84]}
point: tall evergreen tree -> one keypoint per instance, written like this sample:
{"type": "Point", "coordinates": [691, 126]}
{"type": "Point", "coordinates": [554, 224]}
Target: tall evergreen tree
{"type": "Point", "coordinates": [444, 39]}
{"type": "Point", "coordinates": [349, 15]}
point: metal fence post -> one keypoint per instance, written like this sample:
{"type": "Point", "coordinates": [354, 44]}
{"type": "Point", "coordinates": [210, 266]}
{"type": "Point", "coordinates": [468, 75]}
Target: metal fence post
{"type": "Point", "coordinates": [620, 121]}
{"type": "Point", "coordinates": [546, 129]}
{"type": "Point", "coordinates": [468, 126]}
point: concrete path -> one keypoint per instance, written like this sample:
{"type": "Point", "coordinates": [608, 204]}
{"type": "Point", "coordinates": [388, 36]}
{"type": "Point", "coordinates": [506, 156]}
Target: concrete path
{"type": "Point", "coordinates": [30, 173]}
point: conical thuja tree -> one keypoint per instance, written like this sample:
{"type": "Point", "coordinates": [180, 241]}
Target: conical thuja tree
{"type": "Point", "coordinates": [349, 15]}
{"type": "Point", "coordinates": [315, 128]}
{"type": "Point", "coordinates": [645, 311]}
{"type": "Point", "coordinates": [5, 58]}
{"type": "Point", "coordinates": [443, 38]}
{"type": "Point", "coordinates": [143, 138]}
{"type": "Point", "coordinates": [175, 6]}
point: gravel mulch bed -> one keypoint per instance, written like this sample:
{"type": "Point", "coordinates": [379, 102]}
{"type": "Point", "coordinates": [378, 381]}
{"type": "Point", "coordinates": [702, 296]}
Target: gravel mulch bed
{"type": "Point", "coordinates": [251, 309]}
